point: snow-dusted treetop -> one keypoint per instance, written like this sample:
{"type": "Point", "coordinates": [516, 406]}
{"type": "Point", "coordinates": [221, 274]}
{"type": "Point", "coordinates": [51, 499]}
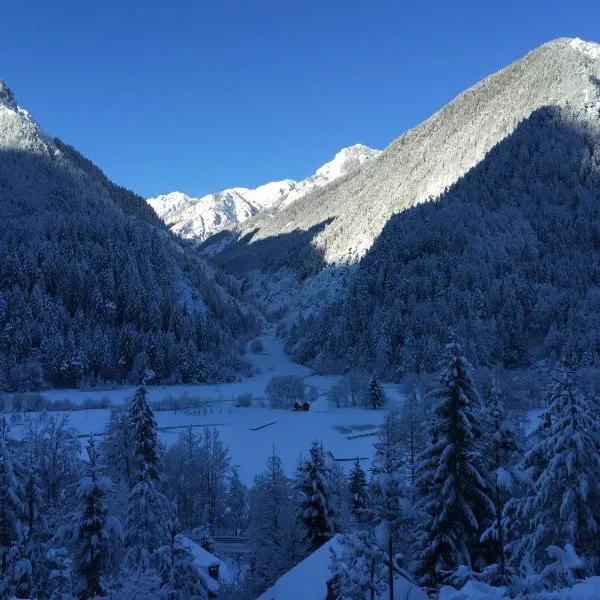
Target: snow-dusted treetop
{"type": "Point", "coordinates": [199, 218]}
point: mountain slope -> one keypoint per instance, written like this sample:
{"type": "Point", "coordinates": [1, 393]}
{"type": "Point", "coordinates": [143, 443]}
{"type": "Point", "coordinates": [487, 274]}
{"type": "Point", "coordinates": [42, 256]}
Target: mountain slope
{"type": "Point", "coordinates": [92, 285]}
{"type": "Point", "coordinates": [508, 257]}
{"type": "Point", "coordinates": [423, 162]}
{"type": "Point", "coordinates": [199, 218]}
{"type": "Point", "coordinates": [483, 219]}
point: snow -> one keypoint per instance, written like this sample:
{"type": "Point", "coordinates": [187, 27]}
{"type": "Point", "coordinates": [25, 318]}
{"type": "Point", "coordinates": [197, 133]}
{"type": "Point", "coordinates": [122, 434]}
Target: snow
{"type": "Point", "coordinates": [291, 434]}
{"type": "Point", "coordinates": [473, 590]}
{"type": "Point", "coordinates": [589, 48]}
{"type": "Point", "coordinates": [588, 589]}
{"type": "Point", "coordinates": [308, 580]}
{"type": "Point", "coordinates": [202, 560]}
{"type": "Point", "coordinates": [199, 218]}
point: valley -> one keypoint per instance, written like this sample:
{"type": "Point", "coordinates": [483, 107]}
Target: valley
{"type": "Point", "coordinates": [241, 428]}
{"type": "Point", "coordinates": [377, 382]}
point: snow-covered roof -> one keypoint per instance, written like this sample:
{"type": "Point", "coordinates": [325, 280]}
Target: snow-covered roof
{"type": "Point", "coordinates": [308, 580]}
{"type": "Point", "coordinates": [203, 560]}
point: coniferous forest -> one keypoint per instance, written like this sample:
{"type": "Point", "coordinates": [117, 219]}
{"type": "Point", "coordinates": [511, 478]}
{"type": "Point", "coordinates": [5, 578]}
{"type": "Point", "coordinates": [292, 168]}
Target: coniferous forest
{"type": "Point", "coordinates": [377, 382]}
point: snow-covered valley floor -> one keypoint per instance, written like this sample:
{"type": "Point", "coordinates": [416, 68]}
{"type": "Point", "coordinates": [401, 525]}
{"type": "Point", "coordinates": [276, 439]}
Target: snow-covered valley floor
{"type": "Point", "coordinates": [250, 444]}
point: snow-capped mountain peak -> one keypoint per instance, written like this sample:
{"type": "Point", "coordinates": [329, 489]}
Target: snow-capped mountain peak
{"type": "Point", "coordinates": [199, 218]}
{"type": "Point", "coordinates": [591, 49]}
{"type": "Point", "coordinates": [346, 160]}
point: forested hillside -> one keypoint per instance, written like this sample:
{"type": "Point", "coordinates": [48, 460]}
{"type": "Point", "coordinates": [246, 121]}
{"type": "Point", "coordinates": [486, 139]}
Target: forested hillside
{"type": "Point", "coordinates": [509, 257]}
{"type": "Point", "coordinates": [92, 285]}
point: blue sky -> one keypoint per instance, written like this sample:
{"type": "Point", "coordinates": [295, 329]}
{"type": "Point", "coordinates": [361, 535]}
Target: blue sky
{"type": "Point", "coordinates": [207, 94]}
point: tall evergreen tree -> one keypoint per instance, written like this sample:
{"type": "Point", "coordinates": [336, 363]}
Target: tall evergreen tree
{"type": "Point", "coordinates": [94, 532]}
{"type": "Point", "coordinates": [148, 510]}
{"type": "Point", "coordinates": [565, 505]}
{"type": "Point", "coordinates": [358, 491]}
{"type": "Point", "coordinates": [451, 479]}
{"type": "Point", "coordinates": [315, 508]}
{"type": "Point", "coordinates": [388, 506]}
{"type": "Point", "coordinates": [143, 433]}
{"type": "Point", "coordinates": [376, 393]}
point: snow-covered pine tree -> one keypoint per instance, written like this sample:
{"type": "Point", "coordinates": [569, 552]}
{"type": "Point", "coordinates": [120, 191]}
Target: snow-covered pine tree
{"type": "Point", "coordinates": [376, 394]}
{"type": "Point", "coordinates": [453, 501]}
{"type": "Point", "coordinates": [143, 433]}
{"type": "Point", "coordinates": [358, 491]}
{"type": "Point", "coordinates": [502, 448]}
{"type": "Point", "coordinates": [565, 505]}
{"type": "Point", "coordinates": [148, 510]}
{"type": "Point", "coordinates": [94, 533]}
{"type": "Point", "coordinates": [312, 485]}
{"type": "Point", "coordinates": [388, 505]}
{"type": "Point", "coordinates": [358, 571]}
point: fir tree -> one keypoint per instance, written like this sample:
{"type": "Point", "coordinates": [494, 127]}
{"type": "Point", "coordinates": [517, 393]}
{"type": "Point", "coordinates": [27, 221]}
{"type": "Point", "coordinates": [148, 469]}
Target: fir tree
{"type": "Point", "coordinates": [143, 433]}
{"type": "Point", "coordinates": [358, 490]}
{"type": "Point", "coordinates": [93, 531]}
{"type": "Point", "coordinates": [388, 506]}
{"type": "Point", "coordinates": [148, 510]}
{"type": "Point", "coordinates": [376, 394]}
{"type": "Point", "coordinates": [315, 509]}
{"type": "Point", "coordinates": [565, 505]}
{"type": "Point", "coordinates": [451, 481]}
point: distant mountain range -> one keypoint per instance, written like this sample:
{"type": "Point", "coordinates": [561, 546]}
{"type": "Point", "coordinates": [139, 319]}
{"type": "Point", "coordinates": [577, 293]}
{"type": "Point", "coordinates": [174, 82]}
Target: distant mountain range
{"type": "Point", "coordinates": [199, 218]}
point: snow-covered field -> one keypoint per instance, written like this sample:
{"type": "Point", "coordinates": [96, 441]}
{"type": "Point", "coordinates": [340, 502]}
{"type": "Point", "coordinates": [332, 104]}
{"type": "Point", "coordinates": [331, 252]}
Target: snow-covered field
{"type": "Point", "coordinates": [344, 432]}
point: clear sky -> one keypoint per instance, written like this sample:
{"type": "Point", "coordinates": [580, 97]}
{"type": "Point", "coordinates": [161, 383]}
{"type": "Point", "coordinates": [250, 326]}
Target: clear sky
{"type": "Point", "coordinates": [202, 95]}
